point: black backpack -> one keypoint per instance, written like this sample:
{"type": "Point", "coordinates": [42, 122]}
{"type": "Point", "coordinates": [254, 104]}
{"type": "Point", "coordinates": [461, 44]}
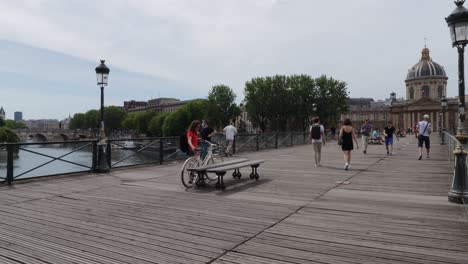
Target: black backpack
{"type": "Point", "coordinates": [316, 133]}
{"type": "Point", "coordinates": [183, 143]}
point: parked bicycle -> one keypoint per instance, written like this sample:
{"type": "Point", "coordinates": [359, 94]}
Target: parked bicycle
{"type": "Point", "coordinates": [214, 155]}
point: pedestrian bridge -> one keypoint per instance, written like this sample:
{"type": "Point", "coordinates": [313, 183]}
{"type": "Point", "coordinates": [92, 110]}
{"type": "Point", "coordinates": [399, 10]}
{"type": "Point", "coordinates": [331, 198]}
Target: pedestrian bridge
{"type": "Point", "coordinates": [52, 134]}
{"type": "Point", "coordinates": [383, 210]}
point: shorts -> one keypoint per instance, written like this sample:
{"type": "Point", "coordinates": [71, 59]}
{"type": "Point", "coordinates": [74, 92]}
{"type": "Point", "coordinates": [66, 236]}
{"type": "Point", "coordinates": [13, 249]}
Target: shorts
{"type": "Point", "coordinates": [389, 141]}
{"type": "Point", "coordinates": [424, 139]}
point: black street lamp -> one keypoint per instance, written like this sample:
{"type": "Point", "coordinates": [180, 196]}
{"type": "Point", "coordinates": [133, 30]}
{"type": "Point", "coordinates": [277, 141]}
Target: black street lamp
{"type": "Point", "coordinates": [458, 24]}
{"type": "Point", "coordinates": [102, 76]}
{"type": "Point", "coordinates": [443, 103]}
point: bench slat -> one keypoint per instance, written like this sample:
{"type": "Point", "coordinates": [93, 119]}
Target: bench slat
{"type": "Point", "coordinates": [224, 163]}
{"type": "Point", "coordinates": [235, 166]}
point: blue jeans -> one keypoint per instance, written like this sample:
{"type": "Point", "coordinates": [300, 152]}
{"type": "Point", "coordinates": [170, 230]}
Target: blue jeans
{"type": "Point", "coordinates": [204, 150]}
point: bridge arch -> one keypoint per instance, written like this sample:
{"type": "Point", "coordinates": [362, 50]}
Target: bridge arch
{"type": "Point", "coordinates": [60, 137]}
{"type": "Point", "coordinates": [38, 137]}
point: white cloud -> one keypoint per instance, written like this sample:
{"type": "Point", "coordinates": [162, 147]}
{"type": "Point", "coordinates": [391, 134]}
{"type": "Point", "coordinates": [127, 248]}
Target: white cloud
{"type": "Point", "coordinates": [368, 43]}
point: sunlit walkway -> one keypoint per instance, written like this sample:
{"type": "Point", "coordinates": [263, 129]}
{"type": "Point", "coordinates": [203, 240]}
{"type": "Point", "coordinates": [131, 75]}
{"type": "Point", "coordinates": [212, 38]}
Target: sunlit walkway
{"type": "Point", "coordinates": [383, 210]}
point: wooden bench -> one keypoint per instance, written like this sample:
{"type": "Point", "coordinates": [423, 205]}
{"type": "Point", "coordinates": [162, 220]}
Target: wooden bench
{"type": "Point", "coordinates": [220, 170]}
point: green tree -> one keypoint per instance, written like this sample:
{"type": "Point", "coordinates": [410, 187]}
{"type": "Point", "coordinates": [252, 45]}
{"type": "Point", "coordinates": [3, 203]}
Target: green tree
{"type": "Point", "coordinates": [142, 120]}
{"type": "Point", "coordinates": [256, 92]}
{"type": "Point", "coordinates": [11, 124]}
{"type": "Point", "coordinates": [221, 106]}
{"type": "Point", "coordinates": [77, 121]}
{"type": "Point", "coordinates": [2, 122]}
{"type": "Point", "coordinates": [177, 122]}
{"type": "Point", "coordinates": [113, 117]}
{"type": "Point", "coordinates": [155, 126]}
{"type": "Point", "coordinates": [129, 122]}
{"type": "Point", "coordinates": [286, 102]}
{"type": "Point", "coordinates": [332, 96]}
{"type": "Point", "coordinates": [8, 136]}
{"type": "Point", "coordinates": [91, 119]}
{"type": "Point", "coordinates": [303, 91]}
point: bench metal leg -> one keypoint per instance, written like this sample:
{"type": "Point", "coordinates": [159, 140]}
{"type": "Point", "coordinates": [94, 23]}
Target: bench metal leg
{"type": "Point", "coordinates": [220, 182]}
{"type": "Point", "coordinates": [254, 174]}
{"type": "Point", "coordinates": [236, 174]}
{"type": "Point", "coordinates": [200, 179]}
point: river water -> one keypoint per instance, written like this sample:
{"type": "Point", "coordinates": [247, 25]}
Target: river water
{"type": "Point", "coordinates": [24, 160]}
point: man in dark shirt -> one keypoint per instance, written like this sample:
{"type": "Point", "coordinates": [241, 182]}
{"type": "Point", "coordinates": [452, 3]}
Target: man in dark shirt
{"type": "Point", "coordinates": [365, 131]}
{"type": "Point", "coordinates": [388, 133]}
{"type": "Point", "coordinates": [206, 133]}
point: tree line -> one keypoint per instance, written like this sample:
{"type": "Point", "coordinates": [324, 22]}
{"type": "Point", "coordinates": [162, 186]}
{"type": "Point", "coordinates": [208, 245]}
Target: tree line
{"type": "Point", "coordinates": [6, 135]}
{"type": "Point", "coordinates": [277, 103]}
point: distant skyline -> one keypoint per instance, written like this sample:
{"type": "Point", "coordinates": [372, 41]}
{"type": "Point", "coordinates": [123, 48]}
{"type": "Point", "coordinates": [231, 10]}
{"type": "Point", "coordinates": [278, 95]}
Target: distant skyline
{"type": "Point", "coordinates": [181, 48]}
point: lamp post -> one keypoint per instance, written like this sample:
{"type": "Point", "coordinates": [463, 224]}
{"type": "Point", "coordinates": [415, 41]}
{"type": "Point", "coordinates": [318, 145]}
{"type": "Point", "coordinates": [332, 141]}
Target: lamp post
{"type": "Point", "coordinates": [457, 22]}
{"type": "Point", "coordinates": [102, 76]}
{"type": "Point", "coordinates": [443, 103]}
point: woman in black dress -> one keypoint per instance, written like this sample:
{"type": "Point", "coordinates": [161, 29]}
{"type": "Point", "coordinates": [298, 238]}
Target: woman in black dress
{"type": "Point", "coordinates": [347, 136]}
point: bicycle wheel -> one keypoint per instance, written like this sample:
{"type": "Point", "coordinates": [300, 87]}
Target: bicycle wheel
{"type": "Point", "coordinates": [188, 177]}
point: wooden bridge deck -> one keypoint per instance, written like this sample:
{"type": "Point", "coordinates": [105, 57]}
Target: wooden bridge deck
{"type": "Point", "coordinates": [394, 210]}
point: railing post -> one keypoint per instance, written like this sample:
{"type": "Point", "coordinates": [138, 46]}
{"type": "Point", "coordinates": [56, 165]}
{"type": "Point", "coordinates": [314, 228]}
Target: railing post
{"type": "Point", "coordinates": [442, 139]}
{"type": "Point", "coordinates": [161, 151]}
{"type": "Point", "coordinates": [459, 190]}
{"type": "Point", "coordinates": [109, 154]}
{"type": "Point", "coordinates": [276, 140]}
{"type": "Point", "coordinates": [10, 150]}
{"type": "Point", "coordinates": [257, 143]}
{"type": "Point", "coordinates": [95, 153]}
{"type": "Point", "coordinates": [292, 138]}
{"type": "Point", "coordinates": [234, 145]}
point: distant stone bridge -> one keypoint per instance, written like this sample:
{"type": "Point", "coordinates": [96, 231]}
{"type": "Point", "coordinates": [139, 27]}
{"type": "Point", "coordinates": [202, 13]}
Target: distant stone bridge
{"type": "Point", "coordinates": [52, 134]}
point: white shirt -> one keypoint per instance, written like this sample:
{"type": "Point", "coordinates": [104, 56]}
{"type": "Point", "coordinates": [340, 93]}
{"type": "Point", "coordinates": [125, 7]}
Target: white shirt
{"type": "Point", "coordinates": [322, 130]}
{"type": "Point", "coordinates": [424, 126]}
{"type": "Point", "coordinates": [230, 131]}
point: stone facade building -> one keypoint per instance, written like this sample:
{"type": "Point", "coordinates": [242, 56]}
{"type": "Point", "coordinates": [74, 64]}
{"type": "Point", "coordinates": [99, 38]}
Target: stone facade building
{"type": "Point", "coordinates": [161, 105]}
{"type": "Point", "coordinates": [2, 113]}
{"type": "Point", "coordinates": [426, 84]}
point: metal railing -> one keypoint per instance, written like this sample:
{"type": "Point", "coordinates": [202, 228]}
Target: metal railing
{"type": "Point", "coordinates": [457, 159]}
{"type": "Point", "coordinates": [32, 158]}
{"type": "Point", "coordinates": [39, 159]}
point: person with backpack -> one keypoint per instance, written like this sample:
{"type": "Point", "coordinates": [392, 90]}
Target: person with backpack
{"type": "Point", "coordinates": [424, 131]}
{"type": "Point", "coordinates": [317, 138]}
{"type": "Point", "coordinates": [192, 136]}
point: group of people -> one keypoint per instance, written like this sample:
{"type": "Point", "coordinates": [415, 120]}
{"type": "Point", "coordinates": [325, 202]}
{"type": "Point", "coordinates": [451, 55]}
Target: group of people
{"type": "Point", "coordinates": [201, 130]}
{"type": "Point", "coordinates": [347, 138]}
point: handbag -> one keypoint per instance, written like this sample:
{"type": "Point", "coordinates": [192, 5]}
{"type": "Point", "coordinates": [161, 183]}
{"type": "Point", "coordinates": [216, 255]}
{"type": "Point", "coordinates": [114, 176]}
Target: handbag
{"type": "Point", "coordinates": [340, 141]}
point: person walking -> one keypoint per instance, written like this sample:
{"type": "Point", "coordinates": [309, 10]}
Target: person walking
{"type": "Point", "coordinates": [192, 136]}
{"type": "Point", "coordinates": [424, 129]}
{"type": "Point", "coordinates": [317, 138]}
{"type": "Point", "coordinates": [389, 130]}
{"type": "Point", "coordinates": [347, 136]}
{"type": "Point", "coordinates": [206, 133]}
{"type": "Point", "coordinates": [365, 131]}
{"type": "Point", "coordinates": [230, 131]}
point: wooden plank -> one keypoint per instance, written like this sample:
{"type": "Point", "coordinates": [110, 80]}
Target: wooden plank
{"type": "Point", "coordinates": [235, 166]}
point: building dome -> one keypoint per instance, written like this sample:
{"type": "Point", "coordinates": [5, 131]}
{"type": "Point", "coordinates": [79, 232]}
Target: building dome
{"type": "Point", "coordinates": [426, 68]}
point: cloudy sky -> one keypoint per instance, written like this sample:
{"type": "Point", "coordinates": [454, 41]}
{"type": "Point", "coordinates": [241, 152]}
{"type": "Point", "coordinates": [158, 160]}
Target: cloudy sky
{"type": "Point", "coordinates": [181, 48]}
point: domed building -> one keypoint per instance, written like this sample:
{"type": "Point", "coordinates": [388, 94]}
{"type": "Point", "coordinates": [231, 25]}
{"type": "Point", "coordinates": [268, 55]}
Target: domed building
{"type": "Point", "coordinates": [426, 84]}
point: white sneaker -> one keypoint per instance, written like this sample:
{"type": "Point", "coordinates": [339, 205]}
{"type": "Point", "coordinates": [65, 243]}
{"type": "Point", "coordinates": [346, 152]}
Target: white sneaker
{"type": "Point", "coordinates": [346, 166]}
